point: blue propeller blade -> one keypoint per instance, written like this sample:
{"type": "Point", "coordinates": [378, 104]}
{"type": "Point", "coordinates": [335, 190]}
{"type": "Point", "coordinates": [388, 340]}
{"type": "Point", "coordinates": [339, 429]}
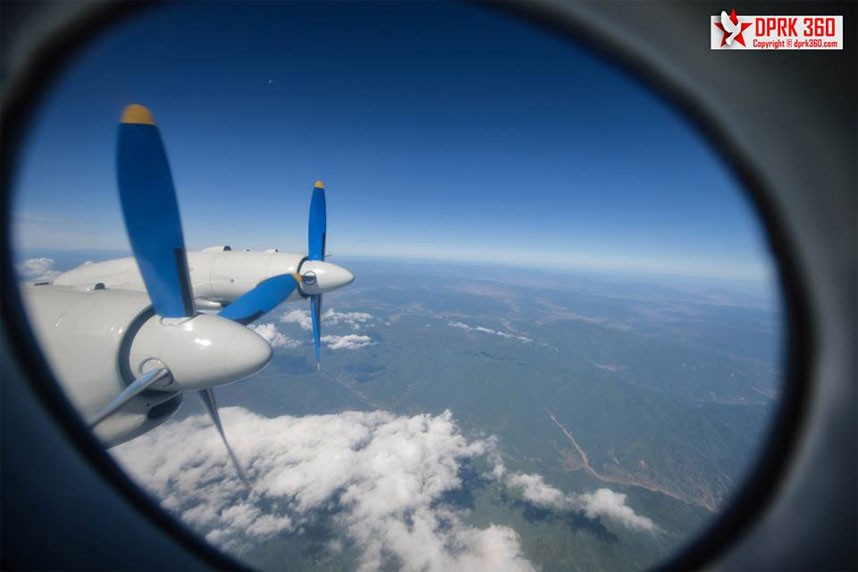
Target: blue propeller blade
{"type": "Point", "coordinates": [318, 224]}
{"type": "Point", "coordinates": [261, 300]}
{"type": "Point", "coordinates": [208, 398]}
{"type": "Point", "coordinates": [316, 314]}
{"type": "Point", "coordinates": [317, 230]}
{"type": "Point", "coordinates": [152, 213]}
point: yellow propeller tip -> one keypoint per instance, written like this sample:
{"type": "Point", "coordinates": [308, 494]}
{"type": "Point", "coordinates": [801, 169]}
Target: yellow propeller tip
{"type": "Point", "coordinates": [138, 114]}
{"type": "Point", "coordinates": [319, 184]}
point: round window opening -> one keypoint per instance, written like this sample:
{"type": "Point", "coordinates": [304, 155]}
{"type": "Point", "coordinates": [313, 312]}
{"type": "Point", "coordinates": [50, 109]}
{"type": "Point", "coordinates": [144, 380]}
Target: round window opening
{"type": "Point", "coordinates": [519, 314]}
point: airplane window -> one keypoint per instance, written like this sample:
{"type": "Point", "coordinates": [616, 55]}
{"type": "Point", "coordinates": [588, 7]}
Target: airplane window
{"type": "Point", "coordinates": [545, 332]}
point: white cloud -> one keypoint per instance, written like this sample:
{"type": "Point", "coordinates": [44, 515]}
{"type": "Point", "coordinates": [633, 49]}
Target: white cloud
{"type": "Point", "coordinates": [536, 491]}
{"type": "Point", "coordinates": [354, 319]}
{"type": "Point", "coordinates": [275, 338]}
{"type": "Point", "coordinates": [348, 342]}
{"type": "Point", "coordinates": [330, 317]}
{"type": "Point", "coordinates": [38, 270]}
{"type": "Point", "coordinates": [603, 502]}
{"type": "Point", "coordinates": [611, 505]}
{"type": "Point", "coordinates": [379, 479]}
{"type": "Point", "coordinates": [484, 330]}
{"type": "Point", "coordinates": [385, 476]}
{"type": "Point", "coordinates": [300, 317]}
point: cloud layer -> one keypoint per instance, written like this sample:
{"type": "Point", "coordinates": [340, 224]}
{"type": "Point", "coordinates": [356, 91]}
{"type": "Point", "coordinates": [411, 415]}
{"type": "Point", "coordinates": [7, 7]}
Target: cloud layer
{"type": "Point", "coordinates": [484, 330]}
{"type": "Point", "coordinates": [375, 479]}
{"type": "Point", "coordinates": [38, 270]}
{"type": "Point", "coordinates": [607, 503]}
{"type": "Point", "coordinates": [275, 338]}
{"type": "Point", "coordinates": [347, 342]}
{"type": "Point", "coordinates": [601, 503]}
{"type": "Point", "coordinates": [384, 475]}
{"type": "Point", "coordinates": [330, 317]}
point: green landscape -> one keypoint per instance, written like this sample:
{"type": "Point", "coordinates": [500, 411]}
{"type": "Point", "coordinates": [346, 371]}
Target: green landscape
{"type": "Point", "coordinates": [660, 389]}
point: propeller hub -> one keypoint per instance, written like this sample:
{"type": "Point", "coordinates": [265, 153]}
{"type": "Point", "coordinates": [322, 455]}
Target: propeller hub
{"type": "Point", "coordinates": [319, 277]}
{"type": "Point", "coordinates": [200, 352]}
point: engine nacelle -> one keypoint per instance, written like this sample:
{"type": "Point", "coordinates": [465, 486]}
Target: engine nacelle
{"type": "Point", "coordinates": [82, 335]}
{"type": "Point", "coordinates": [219, 274]}
{"type": "Point", "coordinates": [200, 352]}
{"type": "Point", "coordinates": [216, 275]}
{"type": "Point", "coordinates": [100, 340]}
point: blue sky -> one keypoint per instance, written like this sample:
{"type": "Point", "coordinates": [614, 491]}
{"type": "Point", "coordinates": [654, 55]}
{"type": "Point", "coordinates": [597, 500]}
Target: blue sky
{"type": "Point", "coordinates": [442, 131]}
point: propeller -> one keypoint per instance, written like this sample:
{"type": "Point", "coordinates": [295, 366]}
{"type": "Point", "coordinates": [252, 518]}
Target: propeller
{"type": "Point", "coordinates": [317, 227]}
{"type": "Point", "coordinates": [316, 315]}
{"type": "Point", "coordinates": [208, 398]}
{"type": "Point", "coordinates": [314, 277]}
{"type": "Point", "coordinates": [189, 351]}
{"type": "Point", "coordinates": [152, 214]}
{"type": "Point", "coordinates": [317, 230]}
{"type": "Point", "coordinates": [178, 349]}
{"type": "Point", "coordinates": [139, 385]}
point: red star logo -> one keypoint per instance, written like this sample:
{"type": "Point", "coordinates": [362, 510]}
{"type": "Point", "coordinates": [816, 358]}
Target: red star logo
{"type": "Point", "coordinates": [735, 20]}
